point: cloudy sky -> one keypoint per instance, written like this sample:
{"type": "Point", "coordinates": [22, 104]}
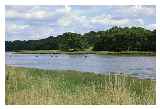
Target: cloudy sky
{"type": "Point", "coordinates": [37, 22]}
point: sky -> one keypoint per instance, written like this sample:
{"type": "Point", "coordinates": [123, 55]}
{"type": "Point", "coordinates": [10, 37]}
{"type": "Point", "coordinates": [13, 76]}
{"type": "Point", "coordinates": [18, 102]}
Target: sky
{"type": "Point", "coordinates": [38, 22]}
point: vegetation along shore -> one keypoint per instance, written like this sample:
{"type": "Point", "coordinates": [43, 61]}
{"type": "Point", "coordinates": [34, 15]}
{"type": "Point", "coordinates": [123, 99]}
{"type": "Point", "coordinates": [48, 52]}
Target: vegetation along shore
{"type": "Point", "coordinates": [36, 86]}
{"type": "Point", "coordinates": [126, 53]}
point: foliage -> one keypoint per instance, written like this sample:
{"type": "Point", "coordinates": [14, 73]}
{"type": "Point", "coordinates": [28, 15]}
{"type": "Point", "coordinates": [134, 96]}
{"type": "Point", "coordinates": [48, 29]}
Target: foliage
{"type": "Point", "coordinates": [114, 39]}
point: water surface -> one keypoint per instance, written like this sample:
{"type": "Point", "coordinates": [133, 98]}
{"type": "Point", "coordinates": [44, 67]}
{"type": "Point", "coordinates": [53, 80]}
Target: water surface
{"type": "Point", "coordinates": [139, 66]}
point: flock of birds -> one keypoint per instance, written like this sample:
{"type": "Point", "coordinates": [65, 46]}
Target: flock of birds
{"type": "Point", "coordinates": [53, 56]}
{"type": "Point", "coordinates": [57, 56]}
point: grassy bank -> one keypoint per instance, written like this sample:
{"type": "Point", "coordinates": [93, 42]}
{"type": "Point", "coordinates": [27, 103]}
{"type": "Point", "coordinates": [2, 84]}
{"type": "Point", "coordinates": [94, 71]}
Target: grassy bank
{"type": "Point", "coordinates": [35, 86]}
{"type": "Point", "coordinates": [86, 52]}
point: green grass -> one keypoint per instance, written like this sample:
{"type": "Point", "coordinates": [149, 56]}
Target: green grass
{"type": "Point", "coordinates": [86, 52]}
{"type": "Point", "coordinates": [35, 86]}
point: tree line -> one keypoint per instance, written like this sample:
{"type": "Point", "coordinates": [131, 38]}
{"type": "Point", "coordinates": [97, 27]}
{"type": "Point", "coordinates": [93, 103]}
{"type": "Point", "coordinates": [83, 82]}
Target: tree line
{"type": "Point", "coordinates": [113, 39]}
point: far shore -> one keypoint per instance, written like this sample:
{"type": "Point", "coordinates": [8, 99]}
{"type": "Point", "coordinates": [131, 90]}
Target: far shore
{"type": "Point", "coordinates": [130, 53]}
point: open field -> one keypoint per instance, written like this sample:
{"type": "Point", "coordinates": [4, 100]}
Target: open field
{"type": "Point", "coordinates": [86, 52]}
{"type": "Point", "coordinates": [35, 86]}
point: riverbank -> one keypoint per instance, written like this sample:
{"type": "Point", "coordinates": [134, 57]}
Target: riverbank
{"type": "Point", "coordinates": [143, 53]}
{"type": "Point", "coordinates": [35, 86]}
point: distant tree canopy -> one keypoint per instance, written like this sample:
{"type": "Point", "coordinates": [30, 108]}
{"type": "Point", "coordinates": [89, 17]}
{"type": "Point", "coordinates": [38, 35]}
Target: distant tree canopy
{"type": "Point", "coordinates": [113, 39]}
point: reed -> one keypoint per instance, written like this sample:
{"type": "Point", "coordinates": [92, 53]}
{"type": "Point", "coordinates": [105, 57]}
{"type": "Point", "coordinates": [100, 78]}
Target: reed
{"type": "Point", "coordinates": [35, 86]}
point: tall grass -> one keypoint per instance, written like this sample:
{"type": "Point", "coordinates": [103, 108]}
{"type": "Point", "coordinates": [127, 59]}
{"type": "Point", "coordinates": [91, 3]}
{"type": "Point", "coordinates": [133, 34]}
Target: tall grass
{"type": "Point", "coordinates": [35, 86]}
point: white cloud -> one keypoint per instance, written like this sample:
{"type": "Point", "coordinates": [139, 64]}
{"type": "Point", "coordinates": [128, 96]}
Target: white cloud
{"type": "Point", "coordinates": [41, 32]}
{"type": "Point", "coordinates": [108, 20]}
{"type": "Point", "coordinates": [143, 10]}
{"type": "Point", "coordinates": [140, 21]}
{"type": "Point", "coordinates": [13, 27]}
{"type": "Point", "coordinates": [68, 8]}
{"type": "Point", "coordinates": [136, 11]}
{"type": "Point", "coordinates": [38, 15]}
{"type": "Point", "coordinates": [70, 19]}
{"type": "Point", "coordinates": [29, 33]}
{"type": "Point", "coordinates": [34, 22]}
{"type": "Point", "coordinates": [12, 14]}
{"type": "Point", "coordinates": [30, 14]}
{"type": "Point", "coordinates": [151, 26]}
{"type": "Point", "coordinates": [65, 9]}
{"type": "Point", "coordinates": [64, 21]}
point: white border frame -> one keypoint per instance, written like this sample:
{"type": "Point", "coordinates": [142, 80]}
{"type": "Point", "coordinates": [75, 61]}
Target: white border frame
{"type": "Point", "coordinates": [75, 2]}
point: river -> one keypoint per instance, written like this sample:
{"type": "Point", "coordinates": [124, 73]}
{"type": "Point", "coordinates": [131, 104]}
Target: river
{"type": "Point", "coordinates": [143, 67]}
